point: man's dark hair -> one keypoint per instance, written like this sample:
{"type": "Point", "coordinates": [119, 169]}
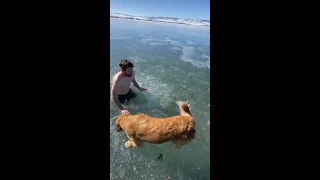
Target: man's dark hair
{"type": "Point", "coordinates": [124, 64]}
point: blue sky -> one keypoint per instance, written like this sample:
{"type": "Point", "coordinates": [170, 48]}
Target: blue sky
{"type": "Point", "coordinates": [190, 9]}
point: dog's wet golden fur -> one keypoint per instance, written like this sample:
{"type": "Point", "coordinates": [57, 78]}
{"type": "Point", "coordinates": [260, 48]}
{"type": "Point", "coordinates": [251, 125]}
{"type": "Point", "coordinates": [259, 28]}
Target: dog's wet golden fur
{"type": "Point", "coordinates": [177, 129]}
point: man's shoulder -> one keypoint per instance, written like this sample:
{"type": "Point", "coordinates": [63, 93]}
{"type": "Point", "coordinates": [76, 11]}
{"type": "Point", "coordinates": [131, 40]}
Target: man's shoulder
{"type": "Point", "coordinates": [115, 77]}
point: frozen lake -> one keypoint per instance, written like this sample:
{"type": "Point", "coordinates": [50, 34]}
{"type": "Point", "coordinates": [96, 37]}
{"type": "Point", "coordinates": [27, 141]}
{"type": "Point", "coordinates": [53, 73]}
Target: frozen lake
{"type": "Point", "coordinates": [173, 62]}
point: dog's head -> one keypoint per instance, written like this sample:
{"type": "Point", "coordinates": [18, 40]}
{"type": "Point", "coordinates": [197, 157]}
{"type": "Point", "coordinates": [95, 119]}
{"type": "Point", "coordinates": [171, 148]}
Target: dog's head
{"type": "Point", "coordinates": [118, 127]}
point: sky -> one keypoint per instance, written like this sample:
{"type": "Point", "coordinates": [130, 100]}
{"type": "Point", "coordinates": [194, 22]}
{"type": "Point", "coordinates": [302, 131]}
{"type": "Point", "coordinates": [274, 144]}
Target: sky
{"type": "Point", "coordinates": [189, 9]}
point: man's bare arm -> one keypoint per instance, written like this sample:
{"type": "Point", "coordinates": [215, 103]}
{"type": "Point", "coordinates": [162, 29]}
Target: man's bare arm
{"type": "Point", "coordinates": [114, 95]}
{"type": "Point", "coordinates": [135, 83]}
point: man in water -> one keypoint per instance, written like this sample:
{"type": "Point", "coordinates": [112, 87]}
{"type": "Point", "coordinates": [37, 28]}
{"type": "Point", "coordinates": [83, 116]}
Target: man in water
{"type": "Point", "coordinates": [120, 90]}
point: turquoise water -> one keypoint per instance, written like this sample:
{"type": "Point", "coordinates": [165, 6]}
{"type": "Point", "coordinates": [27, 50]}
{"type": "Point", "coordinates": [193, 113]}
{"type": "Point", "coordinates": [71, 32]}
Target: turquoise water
{"type": "Point", "coordinates": [173, 62]}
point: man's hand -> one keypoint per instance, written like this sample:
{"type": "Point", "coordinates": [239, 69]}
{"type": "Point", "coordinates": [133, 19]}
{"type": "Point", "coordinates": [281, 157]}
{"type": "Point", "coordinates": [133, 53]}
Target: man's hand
{"type": "Point", "coordinates": [125, 111]}
{"type": "Point", "coordinates": [142, 89]}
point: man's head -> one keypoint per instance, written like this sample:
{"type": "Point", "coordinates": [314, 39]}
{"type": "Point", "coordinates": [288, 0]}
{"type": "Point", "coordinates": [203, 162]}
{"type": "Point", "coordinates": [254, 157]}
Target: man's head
{"type": "Point", "coordinates": [126, 67]}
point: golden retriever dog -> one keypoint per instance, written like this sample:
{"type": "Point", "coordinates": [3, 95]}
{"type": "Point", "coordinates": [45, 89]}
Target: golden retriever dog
{"type": "Point", "coordinates": [177, 129]}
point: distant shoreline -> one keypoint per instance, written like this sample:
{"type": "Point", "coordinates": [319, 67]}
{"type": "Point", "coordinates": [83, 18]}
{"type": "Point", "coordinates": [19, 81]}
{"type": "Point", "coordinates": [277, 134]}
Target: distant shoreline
{"type": "Point", "coordinates": [167, 20]}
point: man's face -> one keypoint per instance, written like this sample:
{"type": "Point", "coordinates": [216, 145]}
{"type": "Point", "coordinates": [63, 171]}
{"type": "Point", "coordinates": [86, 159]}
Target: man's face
{"type": "Point", "coordinates": [129, 71]}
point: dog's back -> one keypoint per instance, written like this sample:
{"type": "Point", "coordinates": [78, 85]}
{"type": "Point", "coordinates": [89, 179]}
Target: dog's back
{"type": "Point", "coordinates": [159, 130]}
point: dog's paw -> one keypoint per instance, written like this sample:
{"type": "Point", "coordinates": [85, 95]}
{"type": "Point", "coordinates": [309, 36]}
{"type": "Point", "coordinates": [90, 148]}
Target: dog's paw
{"type": "Point", "coordinates": [178, 102]}
{"type": "Point", "coordinates": [176, 147]}
{"type": "Point", "coordinates": [127, 144]}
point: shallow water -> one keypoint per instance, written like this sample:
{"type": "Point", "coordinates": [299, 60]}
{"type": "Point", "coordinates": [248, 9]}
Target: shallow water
{"type": "Point", "coordinates": [173, 62]}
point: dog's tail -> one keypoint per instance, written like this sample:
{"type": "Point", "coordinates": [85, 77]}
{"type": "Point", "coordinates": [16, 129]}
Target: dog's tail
{"type": "Point", "coordinates": [184, 108]}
